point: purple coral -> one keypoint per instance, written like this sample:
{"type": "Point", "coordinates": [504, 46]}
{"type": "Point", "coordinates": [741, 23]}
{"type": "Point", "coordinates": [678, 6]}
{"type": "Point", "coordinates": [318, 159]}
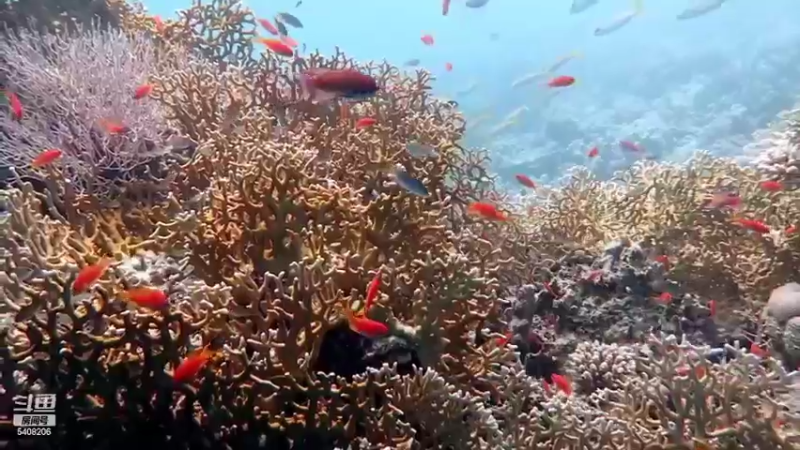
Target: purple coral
{"type": "Point", "coordinates": [69, 84]}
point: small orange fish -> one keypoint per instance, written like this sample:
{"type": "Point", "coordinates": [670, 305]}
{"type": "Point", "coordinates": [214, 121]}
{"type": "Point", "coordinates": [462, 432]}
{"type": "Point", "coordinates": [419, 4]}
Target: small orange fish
{"type": "Point", "coordinates": [15, 105]}
{"type": "Point", "coordinates": [593, 152]}
{"type": "Point", "coordinates": [486, 210]}
{"type": "Point", "coordinates": [448, 67]}
{"type": "Point", "coordinates": [754, 225]}
{"type": "Point", "coordinates": [267, 25]}
{"type": "Point", "coordinates": [758, 350]}
{"type": "Point", "coordinates": [427, 39]}
{"type": "Point", "coordinates": [89, 275]}
{"type": "Point", "coordinates": [288, 40]}
{"type": "Point", "coordinates": [445, 7]}
{"type": "Point", "coordinates": [561, 81]}
{"type": "Point", "coordinates": [594, 275]}
{"type": "Point", "coordinates": [724, 199]}
{"type": "Point", "coordinates": [664, 260]}
{"type": "Point", "coordinates": [113, 126]}
{"type": "Point", "coordinates": [191, 365]}
{"type": "Point", "coordinates": [276, 46]}
{"type": "Point", "coordinates": [630, 146]}
{"type": "Point", "coordinates": [147, 297]}
{"type": "Point", "coordinates": [365, 122]}
{"type": "Point", "coordinates": [159, 23]}
{"type": "Point", "coordinates": [142, 91]}
{"type": "Point", "coordinates": [364, 326]}
{"type": "Point", "coordinates": [501, 341]}
{"type": "Point", "coordinates": [46, 157]}
{"type": "Point", "coordinates": [712, 307]}
{"type": "Point", "coordinates": [771, 186]}
{"type": "Point", "coordinates": [665, 298]}
{"type": "Point", "coordinates": [699, 371]}
{"type": "Point", "coordinates": [372, 291]}
{"type": "Point", "coordinates": [525, 181]}
{"type": "Point", "coordinates": [791, 229]}
{"type": "Point", "coordinates": [562, 383]}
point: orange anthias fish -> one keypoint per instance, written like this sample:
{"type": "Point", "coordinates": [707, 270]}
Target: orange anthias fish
{"type": "Point", "coordinates": [372, 291]}
{"type": "Point", "coordinates": [665, 298]}
{"type": "Point", "coordinates": [427, 39]}
{"type": "Point", "coordinates": [699, 371]}
{"type": "Point", "coordinates": [501, 341]}
{"type": "Point", "coordinates": [365, 122]}
{"type": "Point", "coordinates": [630, 146]}
{"type": "Point", "coordinates": [754, 225]}
{"type": "Point", "coordinates": [159, 22]}
{"type": "Point", "coordinates": [147, 297]}
{"type": "Point", "coordinates": [277, 46]}
{"type": "Point", "coordinates": [525, 181]}
{"type": "Point", "coordinates": [89, 275]}
{"type": "Point", "coordinates": [113, 126]}
{"type": "Point", "coordinates": [142, 91]}
{"type": "Point", "coordinates": [724, 199]}
{"type": "Point", "coordinates": [46, 157]}
{"type": "Point", "coordinates": [593, 152]}
{"type": "Point", "coordinates": [364, 326]}
{"type": "Point", "coordinates": [712, 307]}
{"type": "Point", "coordinates": [664, 260]}
{"type": "Point", "coordinates": [15, 105]}
{"type": "Point", "coordinates": [486, 210]}
{"type": "Point", "coordinates": [288, 40]}
{"type": "Point", "coordinates": [448, 66]}
{"type": "Point", "coordinates": [771, 186]}
{"type": "Point", "coordinates": [561, 382]}
{"type": "Point", "coordinates": [561, 81]}
{"type": "Point", "coordinates": [445, 7]}
{"type": "Point", "coordinates": [267, 25]}
{"type": "Point", "coordinates": [191, 365]}
{"type": "Point", "coordinates": [758, 350]}
{"type": "Point", "coordinates": [791, 229]}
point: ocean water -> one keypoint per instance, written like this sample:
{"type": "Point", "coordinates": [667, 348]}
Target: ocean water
{"type": "Point", "coordinates": [673, 86]}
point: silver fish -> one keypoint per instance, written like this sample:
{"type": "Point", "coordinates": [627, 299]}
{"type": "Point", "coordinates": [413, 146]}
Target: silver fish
{"type": "Point", "coordinates": [289, 19]}
{"type": "Point", "coordinates": [418, 150]}
{"type": "Point", "coordinates": [412, 63]}
{"type": "Point", "coordinates": [579, 6]}
{"type": "Point", "coordinates": [409, 183]}
{"type": "Point", "coordinates": [477, 3]}
{"type": "Point", "coordinates": [620, 21]}
{"type": "Point", "coordinates": [700, 10]}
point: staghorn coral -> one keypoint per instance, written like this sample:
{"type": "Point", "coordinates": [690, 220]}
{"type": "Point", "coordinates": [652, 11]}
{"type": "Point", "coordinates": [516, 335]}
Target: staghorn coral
{"type": "Point", "coordinates": [279, 215]}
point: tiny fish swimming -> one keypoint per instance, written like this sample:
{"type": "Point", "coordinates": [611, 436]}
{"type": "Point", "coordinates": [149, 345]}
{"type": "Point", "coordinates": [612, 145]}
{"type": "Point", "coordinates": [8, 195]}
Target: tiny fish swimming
{"type": "Point", "coordinates": [700, 9]}
{"type": "Point", "coordinates": [620, 21]}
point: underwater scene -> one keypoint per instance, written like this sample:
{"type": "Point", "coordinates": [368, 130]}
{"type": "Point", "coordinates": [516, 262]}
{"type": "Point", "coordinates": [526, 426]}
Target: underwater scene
{"type": "Point", "coordinates": [450, 224]}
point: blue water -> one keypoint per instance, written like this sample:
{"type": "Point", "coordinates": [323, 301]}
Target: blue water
{"type": "Point", "coordinates": [676, 86]}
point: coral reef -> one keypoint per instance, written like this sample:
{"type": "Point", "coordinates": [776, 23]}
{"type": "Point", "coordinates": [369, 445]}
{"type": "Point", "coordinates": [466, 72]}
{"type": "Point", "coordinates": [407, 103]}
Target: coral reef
{"type": "Point", "coordinates": [266, 215]}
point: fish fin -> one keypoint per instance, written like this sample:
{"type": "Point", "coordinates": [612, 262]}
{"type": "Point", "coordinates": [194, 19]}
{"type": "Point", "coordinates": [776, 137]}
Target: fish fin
{"type": "Point", "coordinates": [638, 6]}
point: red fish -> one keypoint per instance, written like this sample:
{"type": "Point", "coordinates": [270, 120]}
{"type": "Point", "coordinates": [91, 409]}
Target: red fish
{"type": "Point", "coordinates": [791, 229]}
{"type": "Point", "coordinates": [142, 91]}
{"type": "Point", "coordinates": [445, 7]}
{"type": "Point", "coordinates": [525, 181]}
{"type": "Point", "coordinates": [364, 326]}
{"type": "Point", "coordinates": [712, 307]}
{"type": "Point", "coordinates": [486, 210]}
{"type": "Point", "coordinates": [699, 371]}
{"type": "Point", "coordinates": [147, 297]}
{"type": "Point", "coordinates": [562, 383]}
{"type": "Point", "coordinates": [15, 105]}
{"type": "Point", "coordinates": [267, 25]}
{"type": "Point", "coordinates": [365, 122]}
{"type": "Point", "coordinates": [664, 260]}
{"type": "Point", "coordinates": [595, 275]}
{"type": "Point", "coordinates": [113, 126]}
{"type": "Point", "coordinates": [758, 350]}
{"type": "Point", "coordinates": [630, 146]}
{"type": "Point", "coordinates": [501, 341]}
{"type": "Point", "coordinates": [89, 275]}
{"type": "Point", "coordinates": [288, 40]}
{"type": "Point", "coordinates": [427, 39]}
{"type": "Point", "coordinates": [159, 22]}
{"type": "Point", "coordinates": [372, 291]}
{"type": "Point", "coordinates": [276, 46]}
{"type": "Point", "coordinates": [326, 84]}
{"type": "Point", "coordinates": [724, 199]}
{"type": "Point", "coordinates": [593, 152]}
{"type": "Point", "coordinates": [561, 81]}
{"type": "Point", "coordinates": [448, 67]}
{"type": "Point", "coordinates": [191, 365]}
{"type": "Point", "coordinates": [46, 157]}
{"type": "Point", "coordinates": [665, 298]}
{"type": "Point", "coordinates": [754, 225]}
{"type": "Point", "coordinates": [771, 186]}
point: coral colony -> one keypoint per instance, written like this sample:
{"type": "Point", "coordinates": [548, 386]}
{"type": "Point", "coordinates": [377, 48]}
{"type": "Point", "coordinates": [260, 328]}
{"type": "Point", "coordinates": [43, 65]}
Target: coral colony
{"type": "Point", "coordinates": [198, 253]}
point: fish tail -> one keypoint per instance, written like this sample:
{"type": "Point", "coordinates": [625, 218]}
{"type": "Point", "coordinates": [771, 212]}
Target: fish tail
{"type": "Point", "coordinates": [638, 6]}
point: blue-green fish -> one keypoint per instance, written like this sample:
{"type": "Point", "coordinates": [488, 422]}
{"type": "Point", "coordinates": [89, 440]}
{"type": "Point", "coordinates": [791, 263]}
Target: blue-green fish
{"type": "Point", "coordinates": [289, 19]}
{"type": "Point", "coordinates": [700, 9]}
{"type": "Point", "coordinates": [409, 183]}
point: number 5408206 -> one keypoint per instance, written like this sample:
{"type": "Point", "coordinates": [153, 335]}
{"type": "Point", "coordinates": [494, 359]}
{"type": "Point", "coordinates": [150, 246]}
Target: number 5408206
{"type": "Point", "coordinates": [33, 431]}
